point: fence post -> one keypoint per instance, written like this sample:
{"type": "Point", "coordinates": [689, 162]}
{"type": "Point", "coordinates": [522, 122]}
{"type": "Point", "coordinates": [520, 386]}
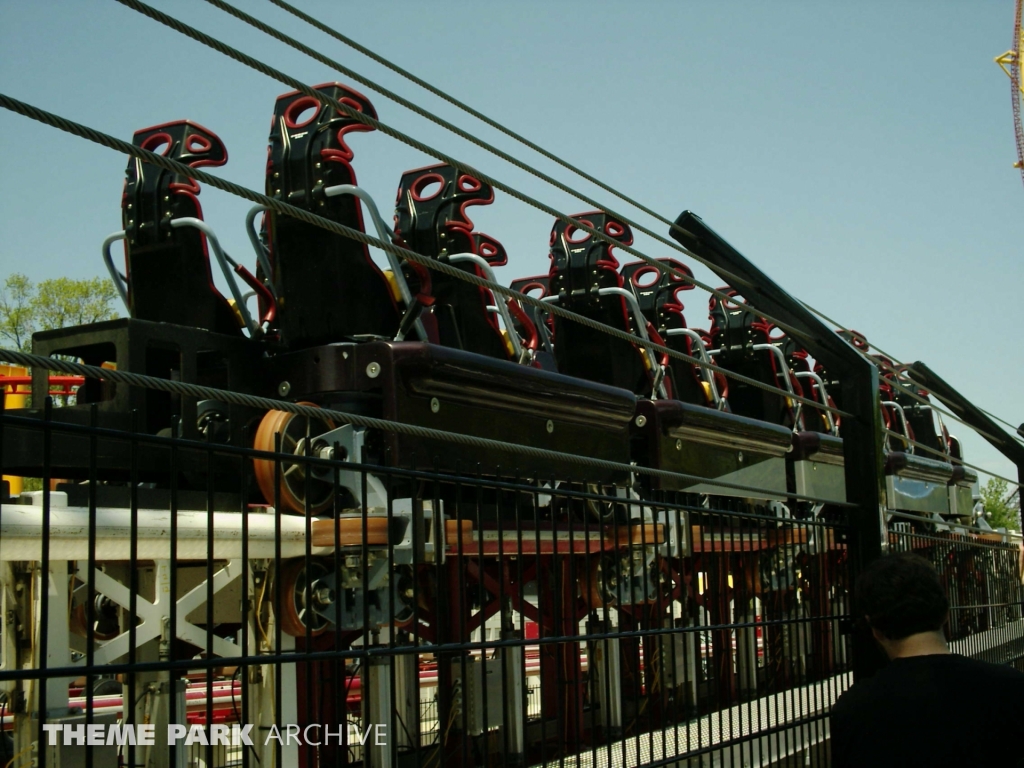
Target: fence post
{"type": "Point", "coordinates": [858, 395]}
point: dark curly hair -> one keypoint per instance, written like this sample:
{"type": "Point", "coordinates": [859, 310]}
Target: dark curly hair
{"type": "Point", "coordinates": [901, 595]}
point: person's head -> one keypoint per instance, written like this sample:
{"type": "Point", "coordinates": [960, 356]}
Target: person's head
{"type": "Point", "coordinates": [900, 595]}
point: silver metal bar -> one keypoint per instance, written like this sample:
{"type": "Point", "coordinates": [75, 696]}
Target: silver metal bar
{"type": "Point", "coordinates": [262, 252]}
{"type": "Point", "coordinates": [502, 307]}
{"type": "Point", "coordinates": [384, 232]}
{"type": "Point", "coordinates": [834, 428]}
{"type": "Point", "coordinates": [903, 419]}
{"type": "Point", "coordinates": [120, 281]}
{"type": "Point", "coordinates": [781, 359]}
{"type": "Point", "coordinates": [641, 326]}
{"type": "Point", "coordinates": [702, 351]}
{"type": "Point", "coordinates": [942, 431]}
{"type": "Point", "coordinates": [222, 259]}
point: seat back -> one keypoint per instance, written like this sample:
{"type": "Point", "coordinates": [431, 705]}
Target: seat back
{"type": "Point", "coordinates": [168, 268]}
{"type": "Point", "coordinates": [431, 219]}
{"type": "Point", "coordinates": [658, 294]}
{"type": "Point", "coordinates": [581, 265]}
{"type": "Point", "coordinates": [328, 288]}
{"type": "Point", "coordinates": [735, 332]}
{"type": "Point", "coordinates": [798, 359]}
{"type": "Point", "coordinates": [920, 417]}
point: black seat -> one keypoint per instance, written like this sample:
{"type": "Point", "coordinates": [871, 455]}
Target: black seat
{"type": "Point", "coordinates": [327, 286]}
{"type": "Point", "coordinates": [921, 417]}
{"type": "Point", "coordinates": [738, 335]}
{"type": "Point", "coordinates": [431, 219]}
{"type": "Point", "coordinates": [814, 419]}
{"type": "Point", "coordinates": [168, 268]}
{"type": "Point", "coordinates": [657, 294]}
{"type": "Point", "coordinates": [582, 265]}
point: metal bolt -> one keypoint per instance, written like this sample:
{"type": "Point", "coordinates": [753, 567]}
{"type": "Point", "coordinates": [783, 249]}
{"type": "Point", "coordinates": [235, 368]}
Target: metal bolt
{"type": "Point", "coordinates": [373, 370]}
{"type": "Point", "coordinates": [435, 405]}
{"type": "Point", "coordinates": [284, 388]}
{"type": "Point", "coordinates": [679, 445]}
{"type": "Point", "coordinates": [550, 426]}
{"type": "Point", "coordinates": [641, 420]}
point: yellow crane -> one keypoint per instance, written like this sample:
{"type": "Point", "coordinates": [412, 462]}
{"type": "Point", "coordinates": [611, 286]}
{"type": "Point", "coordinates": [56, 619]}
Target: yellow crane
{"type": "Point", "coordinates": [1011, 65]}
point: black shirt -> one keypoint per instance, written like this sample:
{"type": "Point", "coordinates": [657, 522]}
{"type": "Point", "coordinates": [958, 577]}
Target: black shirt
{"type": "Point", "coordinates": [935, 711]}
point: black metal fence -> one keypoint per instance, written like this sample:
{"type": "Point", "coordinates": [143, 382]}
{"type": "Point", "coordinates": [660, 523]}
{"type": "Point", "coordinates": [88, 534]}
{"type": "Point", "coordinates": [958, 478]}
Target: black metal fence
{"type": "Point", "coordinates": [426, 618]}
{"type": "Point", "coordinates": [472, 618]}
{"type": "Point", "coordinates": [981, 570]}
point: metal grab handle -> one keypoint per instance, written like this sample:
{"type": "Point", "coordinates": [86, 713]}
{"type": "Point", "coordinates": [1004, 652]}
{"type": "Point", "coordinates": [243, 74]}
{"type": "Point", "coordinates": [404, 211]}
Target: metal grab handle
{"type": "Point", "coordinates": [709, 376]}
{"type": "Point", "coordinates": [500, 307]}
{"type": "Point", "coordinates": [903, 420]}
{"type": "Point", "coordinates": [798, 415]}
{"type": "Point", "coordinates": [262, 252]}
{"type": "Point", "coordinates": [641, 323]}
{"type": "Point", "coordinates": [781, 360]}
{"type": "Point", "coordinates": [833, 428]}
{"type": "Point", "coordinates": [384, 232]}
{"type": "Point", "coordinates": [222, 259]}
{"type": "Point", "coordinates": [120, 281]}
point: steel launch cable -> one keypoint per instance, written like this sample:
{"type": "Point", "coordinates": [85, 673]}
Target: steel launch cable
{"type": "Point", "coordinates": [387, 130]}
{"type": "Point", "coordinates": [384, 61]}
{"type": "Point", "coordinates": [277, 206]}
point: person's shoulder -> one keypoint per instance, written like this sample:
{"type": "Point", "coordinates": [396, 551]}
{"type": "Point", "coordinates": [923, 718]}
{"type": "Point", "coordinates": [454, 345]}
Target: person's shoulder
{"type": "Point", "coordinates": [854, 697]}
{"type": "Point", "coordinates": [987, 669]}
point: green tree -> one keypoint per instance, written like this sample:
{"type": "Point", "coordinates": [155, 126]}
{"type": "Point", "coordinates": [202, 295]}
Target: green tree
{"type": "Point", "coordinates": [1002, 506]}
{"type": "Point", "coordinates": [16, 312]}
{"type": "Point", "coordinates": [56, 303]}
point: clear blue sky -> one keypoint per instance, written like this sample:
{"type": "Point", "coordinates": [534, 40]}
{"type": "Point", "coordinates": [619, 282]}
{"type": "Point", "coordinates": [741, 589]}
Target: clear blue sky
{"type": "Point", "coordinates": [860, 152]}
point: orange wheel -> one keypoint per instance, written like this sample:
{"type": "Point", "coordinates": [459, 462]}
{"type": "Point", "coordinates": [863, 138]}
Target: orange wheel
{"type": "Point", "coordinates": [348, 532]}
{"type": "Point", "coordinates": [294, 612]}
{"type": "Point", "coordinates": [297, 485]}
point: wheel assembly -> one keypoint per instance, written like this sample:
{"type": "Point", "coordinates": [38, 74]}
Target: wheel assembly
{"type": "Point", "coordinates": [295, 479]}
{"type": "Point", "coordinates": [105, 624]}
{"type": "Point", "coordinates": [296, 613]}
{"type": "Point", "coordinates": [624, 577]}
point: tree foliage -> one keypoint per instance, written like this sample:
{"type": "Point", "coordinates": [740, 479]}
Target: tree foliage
{"type": "Point", "coordinates": [1002, 506]}
{"type": "Point", "coordinates": [56, 303]}
{"type": "Point", "coordinates": [16, 311]}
